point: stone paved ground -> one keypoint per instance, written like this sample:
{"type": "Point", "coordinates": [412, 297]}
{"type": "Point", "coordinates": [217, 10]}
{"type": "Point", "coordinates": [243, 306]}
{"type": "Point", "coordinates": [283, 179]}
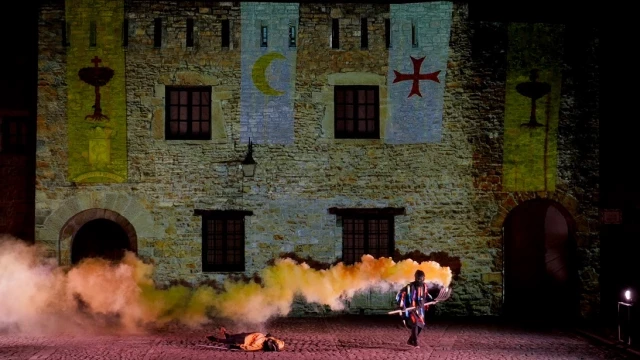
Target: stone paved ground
{"type": "Point", "coordinates": [325, 338]}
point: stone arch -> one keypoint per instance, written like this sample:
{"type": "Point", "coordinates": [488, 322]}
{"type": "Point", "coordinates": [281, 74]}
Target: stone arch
{"type": "Point", "coordinates": [585, 222]}
{"type": "Point", "coordinates": [71, 227]}
{"type": "Point", "coordinates": [512, 200]}
{"type": "Point", "coordinates": [123, 209]}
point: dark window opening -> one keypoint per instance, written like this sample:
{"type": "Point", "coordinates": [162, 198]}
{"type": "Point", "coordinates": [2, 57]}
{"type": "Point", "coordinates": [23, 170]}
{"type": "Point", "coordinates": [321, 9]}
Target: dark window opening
{"type": "Point", "coordinates": [264, 33]}
{"type": "Point", "coordinates": [335, 34]}
{"type": "Point", "coordinates": [125, 33]}
{"type": "Point", "coordinates": [188, 113]}
{"type": "Point", "coordinates": [364, 33]}
{"type": "Point", "coordinates": [93, 34]}
{"type": "Point", "coordinates": [387, 32]}
{"type": "Point", "coordinates": [14, 135]}
{"type": "Point", "coordinates": [157, 33]}
{"type": "Point", "coordinates": [357, 114]}
{"type": "Point", "coordinates": [225, 33]}
{"type": "Point", "coordinates": [292, 36]}
{"type": "Point", "coordinates": [414, 36]}
{"type": "Point", "coordinates": [189, 32]}
{"type": "Point", "coordinates": [65, 33]}
{"type": "Point", "coordinates": [223, 238]}
{"type": "Point", "coordinates": [367, 232]}
{"type": "Point", "coordinates": [366, 235]}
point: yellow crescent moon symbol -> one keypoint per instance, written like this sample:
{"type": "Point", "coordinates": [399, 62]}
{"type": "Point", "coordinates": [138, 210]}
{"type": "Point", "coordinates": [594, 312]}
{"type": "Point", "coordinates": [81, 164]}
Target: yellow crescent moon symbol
{"type": "Point", "coordinates": [258, 74]}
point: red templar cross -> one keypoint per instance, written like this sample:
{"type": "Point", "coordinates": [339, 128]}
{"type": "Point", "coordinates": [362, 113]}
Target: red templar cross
{"type": "Point", "coordinates": [96, 60]}
{"type": "Point", "coordinates": [416, 76]}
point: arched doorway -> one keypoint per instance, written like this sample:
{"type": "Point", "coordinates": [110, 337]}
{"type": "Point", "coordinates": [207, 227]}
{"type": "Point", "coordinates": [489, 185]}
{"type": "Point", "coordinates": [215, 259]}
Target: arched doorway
{"type": "Point", "coordinates": [540, 272]}
{"type": "Point", "coordinates": [101, 238]}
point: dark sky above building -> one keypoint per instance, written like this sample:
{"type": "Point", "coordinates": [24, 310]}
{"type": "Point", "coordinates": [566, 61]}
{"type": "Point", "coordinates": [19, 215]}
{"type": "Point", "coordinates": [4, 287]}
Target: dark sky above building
{"type": "Point", "coordinates": [18, 64]}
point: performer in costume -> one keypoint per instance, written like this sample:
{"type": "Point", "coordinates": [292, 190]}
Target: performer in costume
{"type": "Point", "coordinates": [249, 341]}
{"type": "Point", "coordinates": [414, 295]}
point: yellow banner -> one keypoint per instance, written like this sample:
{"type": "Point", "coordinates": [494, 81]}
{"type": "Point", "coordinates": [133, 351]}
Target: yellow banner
{"type": "Point", "coordinates": [532, 105]}
{"type": "Point", "coordinates": [96, 104]}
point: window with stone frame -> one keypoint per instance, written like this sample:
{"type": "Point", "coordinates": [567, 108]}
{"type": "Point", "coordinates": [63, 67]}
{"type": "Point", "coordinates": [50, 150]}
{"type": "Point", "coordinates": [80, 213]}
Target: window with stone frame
{"type": "Point", "coordinates": [188, 113]}
{"type": "Point", "coordinates": [14, 134]}
{"type": "Point", "coordinates": [357, 112]}
{"type": "Point", "coordinates": [223, 239]}
{"type": "Point", "coordinates": [367, 231]}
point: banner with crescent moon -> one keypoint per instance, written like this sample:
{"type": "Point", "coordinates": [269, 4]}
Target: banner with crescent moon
{"type": "Point", "coordinates": [417, 68]}
{"type": "Point", "coordinates": [96, 94]}
{"type": "Point", "coordinates": [532, 107]}
{"type": "Point", "coordinates": [268, 73]}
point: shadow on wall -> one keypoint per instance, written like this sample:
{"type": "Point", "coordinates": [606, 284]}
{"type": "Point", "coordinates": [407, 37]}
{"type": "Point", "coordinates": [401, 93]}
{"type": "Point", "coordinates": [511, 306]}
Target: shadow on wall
{"type": "Point", "coordinates": [441, 258]}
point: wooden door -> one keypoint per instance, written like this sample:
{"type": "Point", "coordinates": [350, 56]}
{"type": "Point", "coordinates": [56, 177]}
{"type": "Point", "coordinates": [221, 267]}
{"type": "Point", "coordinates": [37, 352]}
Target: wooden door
{"type": "Point", "coordinates": [539, 263]}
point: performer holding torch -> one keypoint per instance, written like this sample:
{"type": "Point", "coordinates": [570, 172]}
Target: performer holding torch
{"type": "Point", "coordinates": [413, 301]}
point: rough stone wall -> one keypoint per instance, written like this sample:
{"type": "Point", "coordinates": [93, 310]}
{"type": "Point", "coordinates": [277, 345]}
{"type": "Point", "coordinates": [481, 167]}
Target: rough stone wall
{"type": "Point", "coordinates": [451, 190]}
{"type": "Point", "coordinates": [579, 155]}
{"type": "Point", "coordinates": [51, 147]}
{"type": "Point", "coordinates": [577, 186]}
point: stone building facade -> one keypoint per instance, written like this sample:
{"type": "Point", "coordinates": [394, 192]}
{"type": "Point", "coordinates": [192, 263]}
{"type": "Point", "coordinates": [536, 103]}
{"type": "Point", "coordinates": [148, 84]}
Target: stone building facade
{"type": "Point", "coordinates": [432, 174]}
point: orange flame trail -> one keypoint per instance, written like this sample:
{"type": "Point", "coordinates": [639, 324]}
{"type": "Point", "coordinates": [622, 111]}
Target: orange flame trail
{"type": "Point", "coordinates": [37, 294]}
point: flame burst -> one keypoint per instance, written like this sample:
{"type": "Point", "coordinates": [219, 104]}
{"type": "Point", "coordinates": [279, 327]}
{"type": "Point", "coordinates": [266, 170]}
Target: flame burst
{"type": "Point", "coordinates": [36, 294]}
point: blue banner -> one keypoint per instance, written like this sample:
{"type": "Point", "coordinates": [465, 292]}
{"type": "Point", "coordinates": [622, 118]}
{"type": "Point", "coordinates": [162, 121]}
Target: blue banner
{"type": "Point", "coordinates": [268, 65]}
{"type": "Point", "coordinates": [417, 67]}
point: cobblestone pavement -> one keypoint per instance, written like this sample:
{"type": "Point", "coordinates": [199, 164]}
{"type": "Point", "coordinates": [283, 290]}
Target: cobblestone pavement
{"type": "Point", "coordinates": [348, 337]}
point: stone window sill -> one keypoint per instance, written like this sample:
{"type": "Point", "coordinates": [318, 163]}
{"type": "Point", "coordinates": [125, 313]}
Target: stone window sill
{"type": "Point", "coordinates": [358, 141]}
{"type": "Point", "coordinates": [195, 142]}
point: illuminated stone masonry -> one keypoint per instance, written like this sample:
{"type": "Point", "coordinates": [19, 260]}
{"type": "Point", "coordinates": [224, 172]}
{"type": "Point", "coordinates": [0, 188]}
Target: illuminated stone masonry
{"type": "Point", "coordinates": [445, 179]}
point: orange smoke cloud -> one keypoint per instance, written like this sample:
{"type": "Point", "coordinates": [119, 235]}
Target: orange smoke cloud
{"type": "Point", "coordinates": [34, 291]}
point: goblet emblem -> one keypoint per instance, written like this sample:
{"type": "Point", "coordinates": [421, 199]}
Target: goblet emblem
{"type": "Point", "coordinates": [533, 90]}
{"type": "Point", "coordinates": [96, 76]}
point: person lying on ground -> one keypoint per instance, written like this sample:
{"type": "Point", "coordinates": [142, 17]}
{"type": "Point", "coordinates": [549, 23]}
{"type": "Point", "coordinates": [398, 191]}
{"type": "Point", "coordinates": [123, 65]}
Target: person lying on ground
{"type": "Point", "coordinates": [249, 341]}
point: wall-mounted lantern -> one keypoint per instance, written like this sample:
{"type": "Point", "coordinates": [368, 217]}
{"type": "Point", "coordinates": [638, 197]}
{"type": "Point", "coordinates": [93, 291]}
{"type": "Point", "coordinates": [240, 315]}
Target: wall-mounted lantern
{"type": "Point", "coordinates": [248, 164]}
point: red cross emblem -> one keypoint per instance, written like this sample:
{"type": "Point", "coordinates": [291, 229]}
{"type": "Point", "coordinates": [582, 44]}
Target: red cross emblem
{"type": "Point", "coordinates": [416, 76]}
